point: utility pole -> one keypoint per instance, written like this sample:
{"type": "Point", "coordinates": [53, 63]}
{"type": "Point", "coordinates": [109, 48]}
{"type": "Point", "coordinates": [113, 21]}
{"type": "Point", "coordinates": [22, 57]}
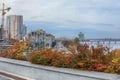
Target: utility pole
{"type": "Point", "coordinates": [3, 18]}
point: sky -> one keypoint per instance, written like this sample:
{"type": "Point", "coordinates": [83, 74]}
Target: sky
{"type": "Point", "coordinates": [66, 18]}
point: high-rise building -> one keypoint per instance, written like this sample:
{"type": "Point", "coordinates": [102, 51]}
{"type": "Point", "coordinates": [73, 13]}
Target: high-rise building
{"type": "Point", "coordinates": [81, 36]}
{"type": "Point", "coordinates": [15, 27]}
{"type": "Point", "coordinates": [0, 33]}
{"type": "Point", "coordinates": [24, 31]}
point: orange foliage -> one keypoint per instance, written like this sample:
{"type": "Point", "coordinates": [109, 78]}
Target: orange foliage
{"type": "Point", "coordinates": [16, 51]}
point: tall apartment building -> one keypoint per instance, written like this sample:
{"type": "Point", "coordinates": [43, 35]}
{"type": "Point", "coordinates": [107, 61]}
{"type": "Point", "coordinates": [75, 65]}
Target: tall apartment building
{"type": "Point", "coordinates": [81, 36]}
{"type": "Point", "coordinates": [0, 33]}
{"type": "Point", "coordinates": [15, 27]}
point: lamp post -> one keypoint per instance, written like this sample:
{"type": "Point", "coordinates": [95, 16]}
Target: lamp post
{"type": "Point", "coordinates": [4, 10]}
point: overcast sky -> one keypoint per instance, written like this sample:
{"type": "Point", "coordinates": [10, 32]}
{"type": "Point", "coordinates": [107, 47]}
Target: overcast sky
{"type": "Point", "coordinates": [66, 18]}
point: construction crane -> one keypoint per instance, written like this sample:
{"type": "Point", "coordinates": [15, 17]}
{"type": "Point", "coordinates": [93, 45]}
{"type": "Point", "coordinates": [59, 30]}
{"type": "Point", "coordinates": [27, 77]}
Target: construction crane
{"type": "Point", "coordinates": [4, 10]}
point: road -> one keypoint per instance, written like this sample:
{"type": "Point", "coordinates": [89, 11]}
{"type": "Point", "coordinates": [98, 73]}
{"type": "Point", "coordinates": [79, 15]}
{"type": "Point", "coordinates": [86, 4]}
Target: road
{"type": "Point", "coordinates": [5, 76]}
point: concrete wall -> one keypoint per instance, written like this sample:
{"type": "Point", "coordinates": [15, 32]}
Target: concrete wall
{"type": "Point", "coordinates": [39, 72]}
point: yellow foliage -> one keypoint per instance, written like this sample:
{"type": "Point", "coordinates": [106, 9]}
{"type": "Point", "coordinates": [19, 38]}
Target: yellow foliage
{"type": "Point", "coordinates": [117, 52]}
{"type": "Point", "coordinates": [81, 64]}
{"type": "Point", "coordinates": [16, 50]}
{"type": "Point", "coordinates": [72, 49]}
{"type": "Point", "coordinates": [115, 60]}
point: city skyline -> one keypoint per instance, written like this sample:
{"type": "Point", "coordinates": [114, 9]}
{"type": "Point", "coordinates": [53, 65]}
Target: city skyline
{"type": "Point", "coordinates": [66, 18]}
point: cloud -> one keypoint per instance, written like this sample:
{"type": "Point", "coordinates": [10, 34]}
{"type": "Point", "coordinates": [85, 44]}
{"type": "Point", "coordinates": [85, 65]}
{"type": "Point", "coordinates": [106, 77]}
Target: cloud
{"type": "Point", "coordinates": [61, 10]}
{"type": "Point", "coordinates": [100, 15]}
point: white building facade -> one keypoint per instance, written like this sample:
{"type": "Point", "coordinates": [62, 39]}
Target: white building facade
{"type": "Point", "coordinates": [15, 27]}
{"type": "Point", "coordinates": [41, 38]}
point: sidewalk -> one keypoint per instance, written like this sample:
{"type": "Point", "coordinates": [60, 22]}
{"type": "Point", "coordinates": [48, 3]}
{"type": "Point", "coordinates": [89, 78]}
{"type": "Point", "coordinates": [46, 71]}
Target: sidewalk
{"type": "Point", "coordinates": [4, 78]}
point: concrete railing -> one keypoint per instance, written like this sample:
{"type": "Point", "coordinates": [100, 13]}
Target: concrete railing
{"type": "Point", "coordinates": [39, 72]}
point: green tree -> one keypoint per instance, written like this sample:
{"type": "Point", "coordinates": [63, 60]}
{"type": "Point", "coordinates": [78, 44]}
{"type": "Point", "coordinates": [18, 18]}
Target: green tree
{"type": "Point", "coordinates": [76, 40]}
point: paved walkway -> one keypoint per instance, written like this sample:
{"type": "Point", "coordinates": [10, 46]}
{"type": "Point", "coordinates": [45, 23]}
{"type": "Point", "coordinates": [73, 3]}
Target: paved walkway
{"type": "Point", "coordinates": [5, 76]}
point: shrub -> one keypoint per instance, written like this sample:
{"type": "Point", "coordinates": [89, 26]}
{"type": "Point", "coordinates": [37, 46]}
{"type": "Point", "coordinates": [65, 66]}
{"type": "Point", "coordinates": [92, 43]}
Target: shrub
{"type": "Point", "coordinates": [19, 56]}
{"type": "Point", "coordinates": [85, 58]}
{"type": "Point", "coordinates": [114, 66]}
{"type": "Point", "coordinates": [15, 51]}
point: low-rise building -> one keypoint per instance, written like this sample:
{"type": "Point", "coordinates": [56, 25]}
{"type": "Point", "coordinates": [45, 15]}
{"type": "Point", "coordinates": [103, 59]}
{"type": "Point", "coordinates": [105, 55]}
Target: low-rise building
{"type": "Point", "coordinates": [41, 38]}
